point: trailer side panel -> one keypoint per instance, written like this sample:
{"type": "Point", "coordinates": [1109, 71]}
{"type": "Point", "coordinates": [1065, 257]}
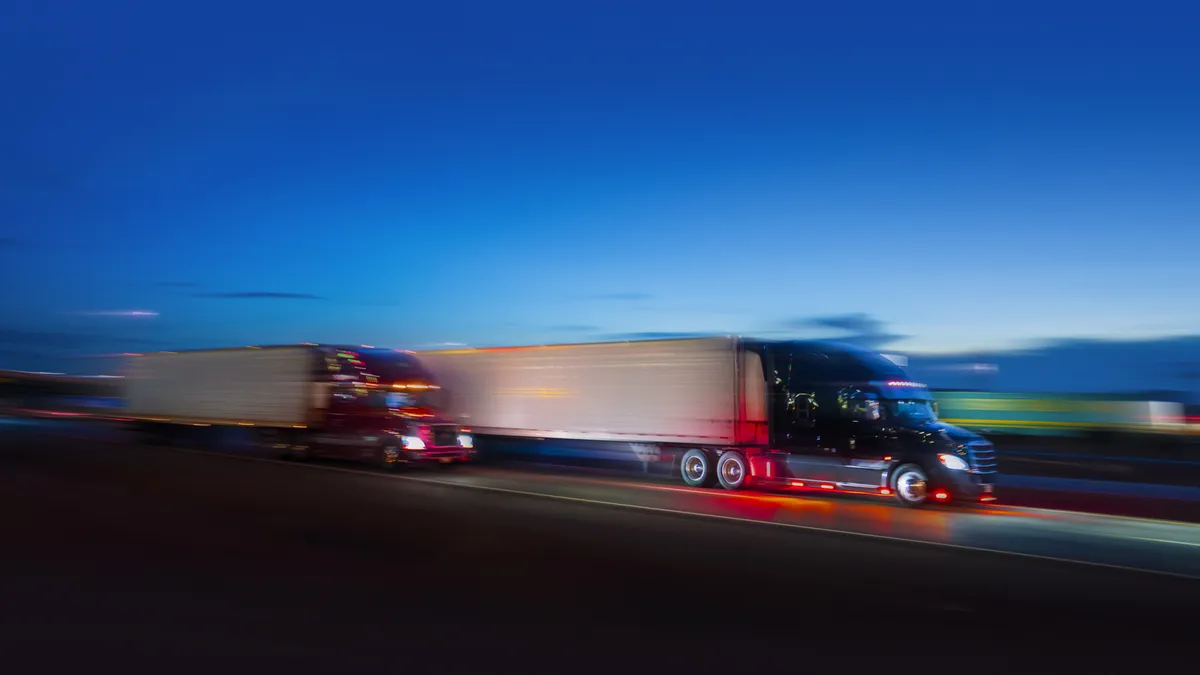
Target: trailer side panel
{"type": "Point", "coordinates": [263, 387]}
{"type": "Point", "coordinates": [668, 391]}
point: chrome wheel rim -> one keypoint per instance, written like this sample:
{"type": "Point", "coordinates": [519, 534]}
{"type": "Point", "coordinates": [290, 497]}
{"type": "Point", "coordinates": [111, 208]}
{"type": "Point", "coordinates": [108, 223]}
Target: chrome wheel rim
{"type": "Point", "coordinates": [694, 468]}
{"type": "Point", "coordinates": [731, 471]}
{"type": "Point", "coordinates": [911, 486]}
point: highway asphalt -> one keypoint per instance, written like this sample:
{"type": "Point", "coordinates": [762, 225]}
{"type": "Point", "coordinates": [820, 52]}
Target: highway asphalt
{"type": "Point", "coordinates": [144, 558]}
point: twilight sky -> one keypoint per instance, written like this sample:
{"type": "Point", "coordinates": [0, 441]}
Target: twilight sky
{"type": "Point", "coordinates": [959, 175]}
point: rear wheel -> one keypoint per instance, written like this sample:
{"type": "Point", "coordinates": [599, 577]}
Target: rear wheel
{"type": "Point", "coordinates": [732, 470]}
{"type": "Point", "coordinates": [910, 485]}
{"type": "Point", "coordinates": [696, 469]}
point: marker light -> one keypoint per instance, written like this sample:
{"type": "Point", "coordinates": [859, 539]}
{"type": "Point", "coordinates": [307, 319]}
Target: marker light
{"type": "Point", "coordinates": [412, 443]}
{"type": "Point", "coordinates": [466, 441]}
{"type": "Point", "coordinates": [904, 383]}
{"type": "Point", "coordinates": [953, 462]}
{"type": "Point", "coordinates": [941, 495]}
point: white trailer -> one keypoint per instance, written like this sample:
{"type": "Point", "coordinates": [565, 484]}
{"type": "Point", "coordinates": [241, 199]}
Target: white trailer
{"type": "Point", "coordinates": [264, 387]}
{"type": "Point", "coordinates": [690, 392]}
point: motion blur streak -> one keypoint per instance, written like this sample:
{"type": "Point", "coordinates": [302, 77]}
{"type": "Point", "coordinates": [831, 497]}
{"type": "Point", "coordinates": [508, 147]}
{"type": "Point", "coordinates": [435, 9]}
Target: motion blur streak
{"type": "Point", "coordinates": [1089, 539]}
{"type": "Point", "coordinates": [291, 561]}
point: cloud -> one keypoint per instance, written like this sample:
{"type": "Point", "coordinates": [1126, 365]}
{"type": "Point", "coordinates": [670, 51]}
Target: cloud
{"type": "Point", "coordinates": [123, 313]}
{"type": "Point", "coordinates": [652, 336]}
{"type": "Point", "coordinates": [575, 328]}
{"type": "Point", "coordinates": [858, 329]}
{"type": "Point", "coordinates": [260, 295]}
{"type": "Point", "coordinates": [1070, 365]}
{"type": "Point", "coordinates": [625, 297]}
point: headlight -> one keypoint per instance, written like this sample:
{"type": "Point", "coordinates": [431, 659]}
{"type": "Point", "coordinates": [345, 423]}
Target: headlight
{"type": "Point", "coordinates": [466, 441]}
{"type": "Point", "coordinates": [953, 462]}
{"type": "Point", "coordinates": [412, 443]}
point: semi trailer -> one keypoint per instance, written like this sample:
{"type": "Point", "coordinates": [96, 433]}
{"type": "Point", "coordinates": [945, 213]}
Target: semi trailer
{"type": "Point", "coordinates": [733, 412]}
{"type": "Point", "coordinates": [364, 404]}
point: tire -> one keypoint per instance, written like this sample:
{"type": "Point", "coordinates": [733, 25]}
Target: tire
{"type": "Point", "coordinates": [696, 468]}
{"type": "Point", "coordinates": [389, 457]}
{"type": "Point", "coordinates": [733, 471]}
{"type": "Point", "coordinates": [910, 484]}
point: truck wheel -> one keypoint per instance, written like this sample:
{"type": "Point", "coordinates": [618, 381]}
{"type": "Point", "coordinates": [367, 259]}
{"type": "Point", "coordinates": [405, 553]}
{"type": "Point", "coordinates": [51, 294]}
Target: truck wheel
{"type": "Point", "coordinates": [696, 469]}
{"type": "Point", "coordinates": [910, 485]}
{"type": "Point", "coordinates": [732, 470]}
{"type": "Point", "coordinates": [389, 457]}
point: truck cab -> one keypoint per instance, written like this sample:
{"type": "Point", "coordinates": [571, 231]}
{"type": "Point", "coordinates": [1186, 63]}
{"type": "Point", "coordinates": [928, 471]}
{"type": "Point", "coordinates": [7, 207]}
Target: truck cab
{"type": "Point", "coordinates": [384, 407]}
{"type": "Point", "coordinates": [842, 418]}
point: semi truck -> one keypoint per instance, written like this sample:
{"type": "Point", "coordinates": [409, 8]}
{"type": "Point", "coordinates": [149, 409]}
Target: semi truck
{"type": "Point", "coordinates": [363, 404]}
{"type": "Point", "coordinates": [731, 411]}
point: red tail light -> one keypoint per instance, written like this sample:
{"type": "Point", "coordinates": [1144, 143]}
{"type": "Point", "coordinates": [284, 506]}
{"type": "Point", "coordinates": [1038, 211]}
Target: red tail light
{"type": "Point", "coordinates": [941, 495]}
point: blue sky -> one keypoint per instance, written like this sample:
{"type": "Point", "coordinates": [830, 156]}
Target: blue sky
{"type": "Point", "coordinates": [969, 175]}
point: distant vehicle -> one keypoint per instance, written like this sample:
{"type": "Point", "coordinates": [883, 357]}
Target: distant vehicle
{"type": "Point", "coordinates": [735, 412]}
{"type": "Point", "coordinates": [373, 405]}
{"type": "Point", "coordinates": [1049, 414]}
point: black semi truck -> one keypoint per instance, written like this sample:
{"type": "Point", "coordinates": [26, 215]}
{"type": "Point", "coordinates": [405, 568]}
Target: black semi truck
{"type": "Point", "coordinates": [733, 412]}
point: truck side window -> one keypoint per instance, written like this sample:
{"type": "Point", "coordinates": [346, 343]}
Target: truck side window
{"type": "Point", "coordinates": [858, 405]}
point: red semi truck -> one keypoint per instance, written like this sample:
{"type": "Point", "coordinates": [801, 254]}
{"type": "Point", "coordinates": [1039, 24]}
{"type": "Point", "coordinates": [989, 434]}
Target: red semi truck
{"type": "Point", "coordinates": [364, 404]}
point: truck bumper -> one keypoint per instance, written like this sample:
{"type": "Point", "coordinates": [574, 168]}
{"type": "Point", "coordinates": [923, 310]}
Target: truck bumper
{"type": "Point", "coordinates": [440, 455]}
{"type": "Point", "coordinates": [964, 486]}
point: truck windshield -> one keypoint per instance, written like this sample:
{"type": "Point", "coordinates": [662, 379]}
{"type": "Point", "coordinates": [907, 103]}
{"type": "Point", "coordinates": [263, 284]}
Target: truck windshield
{"type": "Point", "coordinates": [403, 401]}
{"type": "Point", "coordinates": [912, 410]}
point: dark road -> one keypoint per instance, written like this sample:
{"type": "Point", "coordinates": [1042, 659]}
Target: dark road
{"type": "Point", "coordinates": [117, 553]}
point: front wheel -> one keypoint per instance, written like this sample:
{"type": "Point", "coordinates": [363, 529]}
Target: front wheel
{"type": "Point", "coordinates": [389, 457]}
{"type": "Point", "coordinates": [910, 485]}
{"type": "Point", "coordinates": [696, 469]}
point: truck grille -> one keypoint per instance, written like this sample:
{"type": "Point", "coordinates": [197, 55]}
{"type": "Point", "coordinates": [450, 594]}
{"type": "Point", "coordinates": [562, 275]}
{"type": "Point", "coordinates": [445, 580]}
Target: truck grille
{"type": "Point", "coordinates": [444, 437]}
{"type": "Point", "coordinates": [983, 460]}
